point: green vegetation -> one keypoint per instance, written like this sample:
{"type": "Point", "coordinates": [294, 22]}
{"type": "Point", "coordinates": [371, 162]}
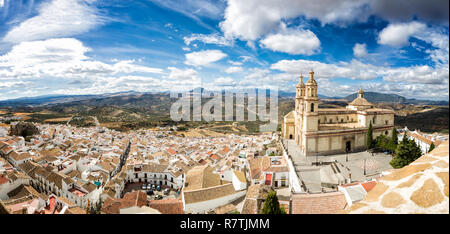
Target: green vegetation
{"type": "Point", "coordinates": [406, 152]}
{"type": "Point", "coordinates": [370, 141]}
{"type": "Point", "coordinates": [431, 147]}
{"type": "Point", "coordinates": [271, 205]}
{"type": "Point", "coordinates": [394, 138]}
{"type": "Point", "coordinates": [82, 121]}
{"type": "Point", "coordinates": [385, 143]}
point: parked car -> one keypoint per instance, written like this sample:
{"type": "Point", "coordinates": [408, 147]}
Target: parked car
{"type": "Point", "coordinates": [143, 187]}
{"type": "Point", "coordinates": [158, 197]}
{"type": "Point", "coordinates": [158, 188]}
{"type": "Point", "coordinates": [150, 192]}
{"type": "Point", "coordinates": [153, 187]}
{"type": "Point", "coordinates": [166, 191]}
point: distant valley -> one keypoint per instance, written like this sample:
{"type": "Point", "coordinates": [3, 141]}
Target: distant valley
{"type": "Point", "coordinates": [131, 110]}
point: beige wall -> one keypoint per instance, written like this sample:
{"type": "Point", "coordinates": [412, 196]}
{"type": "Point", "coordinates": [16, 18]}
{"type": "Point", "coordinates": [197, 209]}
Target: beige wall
{"type": "Point", "coordinates": [344, 118]}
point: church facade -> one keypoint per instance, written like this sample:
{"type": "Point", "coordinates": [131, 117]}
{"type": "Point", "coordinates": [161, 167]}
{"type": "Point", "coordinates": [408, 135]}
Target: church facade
{"type": "Point", "coordinates": [319, 131]}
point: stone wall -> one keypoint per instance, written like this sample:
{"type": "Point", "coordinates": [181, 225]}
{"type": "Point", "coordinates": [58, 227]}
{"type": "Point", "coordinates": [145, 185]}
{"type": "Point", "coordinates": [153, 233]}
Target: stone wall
{"type": "Point", "coordinates": [421, 187]}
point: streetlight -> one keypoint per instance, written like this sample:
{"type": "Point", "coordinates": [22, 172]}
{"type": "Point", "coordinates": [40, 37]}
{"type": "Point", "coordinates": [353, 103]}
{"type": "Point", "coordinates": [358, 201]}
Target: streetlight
{"type": "Point", "coordinates": [364, 166]}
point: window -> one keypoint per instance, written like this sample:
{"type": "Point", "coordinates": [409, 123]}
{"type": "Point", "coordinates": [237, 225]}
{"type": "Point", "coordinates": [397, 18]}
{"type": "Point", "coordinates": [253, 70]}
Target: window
{"type": "Point", "coordinates": [387, 121]}
{"type": "Point", "coordinates": [319, 121]}
{"type": "Point", "coordinates": [385, 133]}
{"type": "Point", "coordinates": [312, 107]}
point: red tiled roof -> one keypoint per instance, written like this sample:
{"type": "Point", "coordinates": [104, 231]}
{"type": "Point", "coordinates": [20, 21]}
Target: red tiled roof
{"type": "Point", "coordinates": [323, 203]}
{"type": "Point", "coordinates": [111, 206]}
{"type": "Point", "coordinates": [136, 198]}
{"type": "Point", "coordinates": [171, 151]}
{"type": "Point", "coordinates": [168, 206]}
{"type": "Point", "coordinates": [3, 179]}
{"type": "Point", "coordinates": [226, 149]}
{"type": "Point", "coordinates": [215, 157]}
{"type": "Point", "coordinates": [369, 185]}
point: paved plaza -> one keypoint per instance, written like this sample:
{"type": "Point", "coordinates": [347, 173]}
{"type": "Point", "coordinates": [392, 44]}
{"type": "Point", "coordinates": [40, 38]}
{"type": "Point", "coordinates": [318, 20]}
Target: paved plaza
{"type": "Point", "coordinates": [358, 166]}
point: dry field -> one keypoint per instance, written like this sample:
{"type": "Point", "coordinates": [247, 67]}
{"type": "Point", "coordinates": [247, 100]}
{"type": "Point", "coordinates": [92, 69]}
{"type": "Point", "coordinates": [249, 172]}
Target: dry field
{"type": "Point", "coordinates": [58, 120]}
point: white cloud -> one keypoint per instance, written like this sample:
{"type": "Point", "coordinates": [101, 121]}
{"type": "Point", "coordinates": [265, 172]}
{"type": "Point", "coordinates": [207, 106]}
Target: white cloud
{"type": "Point", "coordinates": [56, 18]}
{"type": "Point", "coordinates": [360, 71]}
{"type": "Point", "coordinates": [398, 34]}
{"type": "Point", "coordinates": [204, 57]}
{"type": "Point", "coordinates": [235, 63]}
{"type": "Point", "coordinates": [2, 2]}
{"type": "Point", "coordinates": [250, 19]}
{"type": "Point", "coordinates": [360, 50]}
{"type": "Point", "coordinates": [234, 69]}
{"type": "Point", "coordinates": [353, 70]}
{"type": "Point", "coordinates": [60, 58]}
{"type": "Point", "coordinates": [179, 74]}
{"type": "Point", "coordinates": [208, 39]}
{"type": "Point", "coordinates": [224, 81]}
{"type": "Point", "coordinates": [293, 42]}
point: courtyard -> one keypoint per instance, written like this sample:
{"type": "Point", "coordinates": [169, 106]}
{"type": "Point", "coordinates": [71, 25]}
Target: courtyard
{"type": "Point", "coordinates": [130, 187]}
{"type": "Point", "coordinates": [351, 167]}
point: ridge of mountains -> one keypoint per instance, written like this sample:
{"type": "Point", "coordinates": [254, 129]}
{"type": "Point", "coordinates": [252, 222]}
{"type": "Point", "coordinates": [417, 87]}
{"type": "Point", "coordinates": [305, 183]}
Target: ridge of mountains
{"type": "Point", "coordinates": [104, 99]}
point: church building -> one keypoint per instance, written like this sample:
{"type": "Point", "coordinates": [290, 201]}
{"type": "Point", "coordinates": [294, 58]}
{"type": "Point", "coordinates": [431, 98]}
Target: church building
{"type": "Point", "coordinates": [326, 131]}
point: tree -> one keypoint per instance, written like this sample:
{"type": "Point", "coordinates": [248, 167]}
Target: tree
{"type": "Point", "coordinates": [393, 141]}
{"type": "Point", "coordinates": [369, 142]}
{"type": "Point", "coordinates": [431, 147]}
{"type": "Point", "coordinates": [271, 205]}
{"type": "Point", "coordinates": [407, 152]}
{"type": "Point", "coordinates": [382, 142]}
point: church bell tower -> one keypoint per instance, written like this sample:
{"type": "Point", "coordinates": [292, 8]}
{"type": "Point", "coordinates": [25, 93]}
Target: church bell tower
{"type": "Point", "coordinates": [311, 105]}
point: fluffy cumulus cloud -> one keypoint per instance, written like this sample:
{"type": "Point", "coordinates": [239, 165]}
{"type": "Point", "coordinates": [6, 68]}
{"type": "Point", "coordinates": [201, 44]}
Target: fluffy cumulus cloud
{"type": "Point", "coordinates": [361, 71]}
{"type": "Point", "coordinates": [407, 81]}
{"type": "Point", "coordinates": [293, 42]}
{"type": "Point", "coordinates": [234, 69]}
{"type": "Point", "coordinates": [251, 19]}
{"type": "Point", "coordinates": [398, 34]}
{"type": "Point", "coordinates": [56, 18]}
{"type": "Point", "coordinates": [352, 70]}
{"type": "Point", "coordinates": [208, 39]}
{"type": "Point", "coordinates": [224, 81]}
{"type": "Point", "coordinates": [204, 57]}
{"type": "Point", "coordinates": [360, 50]}
{"type": "Point", "coordinates": [60, 58]}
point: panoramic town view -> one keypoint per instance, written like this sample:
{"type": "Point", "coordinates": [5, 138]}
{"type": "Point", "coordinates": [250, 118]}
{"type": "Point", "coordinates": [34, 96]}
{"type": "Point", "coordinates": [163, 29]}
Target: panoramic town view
{"type": "Point", "coordinates": [224, 107]}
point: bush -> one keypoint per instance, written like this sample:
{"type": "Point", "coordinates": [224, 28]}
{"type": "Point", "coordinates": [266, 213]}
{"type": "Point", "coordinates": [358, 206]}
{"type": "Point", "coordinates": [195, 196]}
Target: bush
{"type": "Point", "coordinates": [431, 147]}
{"type": "Point", "coordinates": [271, 205]}
{"type": "Point", "coordinates": [407, 152]}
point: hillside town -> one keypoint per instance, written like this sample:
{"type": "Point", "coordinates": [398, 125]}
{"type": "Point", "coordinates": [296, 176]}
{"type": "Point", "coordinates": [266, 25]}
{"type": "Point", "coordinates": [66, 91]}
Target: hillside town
{"type": "Point", "coordinates": [62, 169]}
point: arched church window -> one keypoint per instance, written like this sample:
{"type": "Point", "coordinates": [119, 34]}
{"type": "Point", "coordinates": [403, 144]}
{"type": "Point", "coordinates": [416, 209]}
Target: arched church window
{"type": "Point", "coordinates": [312, 107]}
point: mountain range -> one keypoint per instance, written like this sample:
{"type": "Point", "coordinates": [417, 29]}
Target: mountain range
{"type": "Point", "coordinates": [59, 99]}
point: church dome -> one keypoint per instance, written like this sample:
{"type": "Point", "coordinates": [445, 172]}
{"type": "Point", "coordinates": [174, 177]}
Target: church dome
{"type": "Point", "coordinates": [300, 82]}
{"type": "Point", "coordinates": [311, 80]}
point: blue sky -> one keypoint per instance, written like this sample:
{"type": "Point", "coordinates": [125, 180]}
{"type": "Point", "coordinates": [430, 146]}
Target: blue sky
{"type": "Point", "coordinates": [99, 46]}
